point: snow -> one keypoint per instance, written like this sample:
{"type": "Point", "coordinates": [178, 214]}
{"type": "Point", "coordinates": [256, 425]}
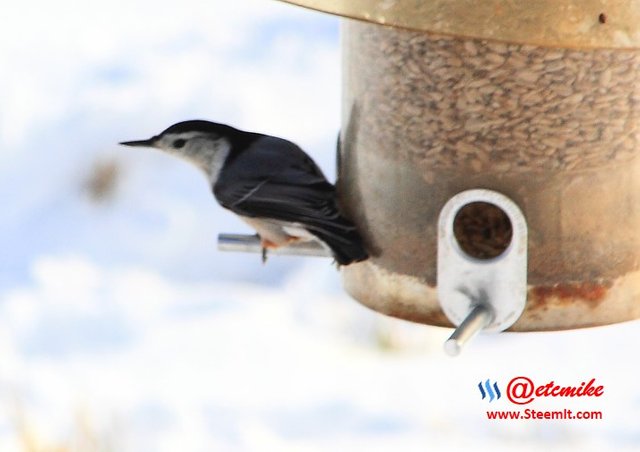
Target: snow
{"type": "Point", "coordinates": [123, 328]}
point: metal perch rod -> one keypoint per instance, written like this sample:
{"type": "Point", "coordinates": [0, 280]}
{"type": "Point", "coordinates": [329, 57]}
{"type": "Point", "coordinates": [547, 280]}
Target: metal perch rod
{"type": "Point", "coordinates": [479, 317]}
{"type": "Point", "coordinates": [245, 243]}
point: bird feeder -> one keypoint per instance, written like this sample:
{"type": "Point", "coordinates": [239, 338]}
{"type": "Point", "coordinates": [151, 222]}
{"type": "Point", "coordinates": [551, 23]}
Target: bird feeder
{"type": "Point", "coordinates": [532, 103]}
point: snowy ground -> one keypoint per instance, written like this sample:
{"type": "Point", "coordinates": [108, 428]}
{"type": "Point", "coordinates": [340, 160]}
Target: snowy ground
{"type": "Point", "coordinates": [121, 326]}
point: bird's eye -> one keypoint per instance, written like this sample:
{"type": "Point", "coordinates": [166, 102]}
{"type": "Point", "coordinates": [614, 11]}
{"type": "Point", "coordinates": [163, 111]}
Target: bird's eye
{"type": "Point", "coordinates": [179, 143]}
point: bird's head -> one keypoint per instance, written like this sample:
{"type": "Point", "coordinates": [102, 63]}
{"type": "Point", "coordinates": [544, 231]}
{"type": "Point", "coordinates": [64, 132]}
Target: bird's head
{"type": "Point", "coordinates": [196, 141]}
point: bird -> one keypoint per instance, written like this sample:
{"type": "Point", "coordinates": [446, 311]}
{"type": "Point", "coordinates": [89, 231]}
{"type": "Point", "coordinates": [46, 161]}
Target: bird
{"type": "Point", "coordinates": [269, 182]}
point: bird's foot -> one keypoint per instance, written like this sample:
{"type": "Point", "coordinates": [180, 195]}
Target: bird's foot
{"type": "Point", "coordinates": [266, 244]}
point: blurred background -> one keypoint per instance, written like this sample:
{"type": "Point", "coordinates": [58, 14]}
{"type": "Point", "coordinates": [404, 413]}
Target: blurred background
{"type": "Point", "coordinates": [122, 328]}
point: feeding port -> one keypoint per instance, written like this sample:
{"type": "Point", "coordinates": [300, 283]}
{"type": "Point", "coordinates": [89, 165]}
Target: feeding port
{"type": "Point", "coordinates": [482, 264]}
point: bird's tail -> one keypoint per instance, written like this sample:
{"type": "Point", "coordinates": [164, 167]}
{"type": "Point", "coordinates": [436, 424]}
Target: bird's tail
{"type": "Point", "coordinates": [343, 239]}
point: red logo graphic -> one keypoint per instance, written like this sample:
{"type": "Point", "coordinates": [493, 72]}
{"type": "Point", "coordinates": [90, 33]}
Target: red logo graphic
{"type": "Point", "coordinates": [522, 390]}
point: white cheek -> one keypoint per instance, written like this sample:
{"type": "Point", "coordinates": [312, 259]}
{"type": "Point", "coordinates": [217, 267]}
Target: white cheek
{"type": "Point", "coordinates": [217, 161]}
{"type": "Point", "coordinates": [207, 155]}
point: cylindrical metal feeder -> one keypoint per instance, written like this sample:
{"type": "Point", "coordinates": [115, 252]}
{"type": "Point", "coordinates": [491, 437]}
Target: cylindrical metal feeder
{"type": "Point", "coordinates": [539, 101]}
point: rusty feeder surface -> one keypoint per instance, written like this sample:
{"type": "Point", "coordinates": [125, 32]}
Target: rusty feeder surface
{"type": "Point", "coordinates": [538, 101]}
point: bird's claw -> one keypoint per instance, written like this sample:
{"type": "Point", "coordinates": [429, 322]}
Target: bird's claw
{"type": "Point", "coordinates": [264, 255]}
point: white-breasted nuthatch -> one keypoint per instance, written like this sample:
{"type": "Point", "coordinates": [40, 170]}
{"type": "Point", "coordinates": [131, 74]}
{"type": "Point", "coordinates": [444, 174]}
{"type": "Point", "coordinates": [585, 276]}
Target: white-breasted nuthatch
{"type": "Point", "coordinates": [269, 182]}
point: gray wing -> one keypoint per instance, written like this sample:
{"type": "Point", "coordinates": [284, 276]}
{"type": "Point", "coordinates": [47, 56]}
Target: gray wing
{"type": "Point", "coordinates": [275, 179]}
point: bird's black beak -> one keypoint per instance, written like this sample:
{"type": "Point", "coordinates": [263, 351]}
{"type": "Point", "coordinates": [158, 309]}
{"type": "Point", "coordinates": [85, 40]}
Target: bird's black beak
{"type": "Point", "coordinates": [140, 143]}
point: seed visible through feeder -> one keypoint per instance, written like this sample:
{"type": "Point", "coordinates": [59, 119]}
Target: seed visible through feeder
{"type": "Point", "coordinates": [482, 230]}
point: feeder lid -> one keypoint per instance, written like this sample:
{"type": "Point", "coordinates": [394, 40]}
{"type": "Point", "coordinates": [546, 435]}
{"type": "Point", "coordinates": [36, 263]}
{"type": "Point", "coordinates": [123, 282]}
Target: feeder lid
{"type": "Point", "coordinates": [554, 23]}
